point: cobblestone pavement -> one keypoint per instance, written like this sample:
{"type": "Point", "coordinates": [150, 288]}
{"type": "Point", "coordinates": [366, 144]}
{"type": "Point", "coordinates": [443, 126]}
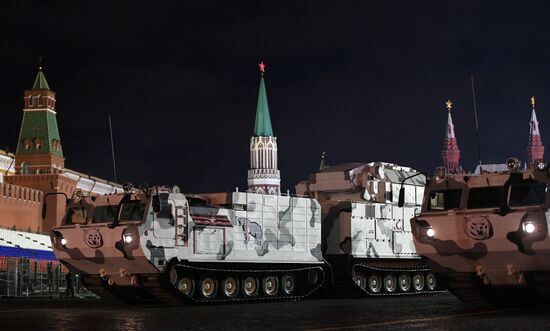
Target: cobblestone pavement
{"type": "Point", "coordinates": [443, 312]}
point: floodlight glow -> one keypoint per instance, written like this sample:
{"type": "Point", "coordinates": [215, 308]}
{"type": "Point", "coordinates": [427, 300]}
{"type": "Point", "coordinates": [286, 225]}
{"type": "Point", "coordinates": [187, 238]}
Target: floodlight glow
{"type": "Point", "coordinates": [128, 238]}
{"type": "Point", "coordinates": [529, 227]}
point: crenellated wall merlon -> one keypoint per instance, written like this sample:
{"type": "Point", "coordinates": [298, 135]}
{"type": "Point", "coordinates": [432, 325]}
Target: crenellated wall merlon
{"type": "Point", "coordinates": [20, 192]}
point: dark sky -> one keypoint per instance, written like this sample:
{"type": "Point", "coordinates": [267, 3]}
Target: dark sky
{"type": "Point", "coordinates": [360, 80]}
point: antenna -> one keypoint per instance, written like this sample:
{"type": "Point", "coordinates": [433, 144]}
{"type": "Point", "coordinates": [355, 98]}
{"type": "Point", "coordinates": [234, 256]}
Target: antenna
{"type": "Point", "coordinates": [112, 146]}
{"type": "Point", "coordinates": [323, 163]}
{"type": "Point", "coordinates": [477, 124]}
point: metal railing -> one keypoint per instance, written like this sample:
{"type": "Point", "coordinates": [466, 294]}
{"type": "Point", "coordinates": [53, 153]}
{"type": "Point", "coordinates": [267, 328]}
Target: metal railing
{"type": "Point", "coordinates": [24, 277]}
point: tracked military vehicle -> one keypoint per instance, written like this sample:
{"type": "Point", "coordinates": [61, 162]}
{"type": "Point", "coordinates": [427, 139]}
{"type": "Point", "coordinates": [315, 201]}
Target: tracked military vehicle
{"type": "Point", "coordinates": [159, 244]}
{"type": "Point", "coordinates": [366, 237]}
{"type": "Point", "coordinates": [487, 234]}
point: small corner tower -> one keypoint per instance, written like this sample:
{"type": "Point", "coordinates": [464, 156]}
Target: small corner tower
{"type": "Point", "coordinates": [39, 145]}
{"type": "Point", "coordinates": [263, 176]}
{"type": "Point", "coordinates": [535, 148]}
{"type": "Point", "coordinates": [450, 153]}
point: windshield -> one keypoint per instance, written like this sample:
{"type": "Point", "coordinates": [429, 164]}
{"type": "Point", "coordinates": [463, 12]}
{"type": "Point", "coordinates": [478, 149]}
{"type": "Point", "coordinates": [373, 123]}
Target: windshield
{"type": "Point", "coordinates": [527, 194]}
{"type": "Point", "coordinates": [77, 215]}
{"type": "Point", "coordinates": [485, 197]}
{"type": "Point", "coordinates": [132, 211]}
{"type": "Point", "coordinates": [444, 200]}
{"type": "Point", "coordinates": [104, 214]}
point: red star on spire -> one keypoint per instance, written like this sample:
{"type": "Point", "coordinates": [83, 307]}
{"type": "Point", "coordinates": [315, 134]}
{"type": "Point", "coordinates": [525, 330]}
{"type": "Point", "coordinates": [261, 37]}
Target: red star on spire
{"type": "Point", "coordinates": [262, 67]}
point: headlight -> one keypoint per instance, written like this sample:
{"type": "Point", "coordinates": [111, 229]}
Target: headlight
{"type": "Point", "coordinates": [63, 241]}
{"type": "Point", "coordinates": [541, 165]}
{"type": "Point", "coordinates": [529, 227]}
{"type": "Point", "coordinates": [430, 233]}
{"type": "Point", "coordinates": [128, 238]}
{"type": "Point", "coordinates": [513, 164]}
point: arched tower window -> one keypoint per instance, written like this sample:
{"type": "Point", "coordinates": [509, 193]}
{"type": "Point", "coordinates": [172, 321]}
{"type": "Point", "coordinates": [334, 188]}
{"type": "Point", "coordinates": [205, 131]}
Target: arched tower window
{"type": "Point", "coordinates": [261, 159]}
{"type": "Point", "coordinates": [24, 168]}
{"type": "Point", "coordinates": [37, 143]}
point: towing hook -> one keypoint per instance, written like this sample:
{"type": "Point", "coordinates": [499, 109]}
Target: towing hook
{"type": "Point", "coordinates": [480, 271]}
{"type": "Point", "coordinates": [520, 276]}
{"type": "Point", "coordinates": [123, 272]}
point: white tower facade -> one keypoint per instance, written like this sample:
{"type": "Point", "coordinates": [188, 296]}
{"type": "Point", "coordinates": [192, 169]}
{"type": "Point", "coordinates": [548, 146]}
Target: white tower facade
{"type": "Point", "coordinates": [263, 176]}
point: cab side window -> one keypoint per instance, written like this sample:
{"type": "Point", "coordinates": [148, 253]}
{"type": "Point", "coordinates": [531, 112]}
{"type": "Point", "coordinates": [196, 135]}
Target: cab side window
{"type": "Point", "coordinates": [444, 200]}
{"type": "Point", "coordinates": [77, 216]}
{"type": "Point", "coordinates": [527, 194]}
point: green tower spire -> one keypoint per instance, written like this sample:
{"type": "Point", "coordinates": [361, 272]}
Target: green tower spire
{"type": "Point", "coordinates": [39, 134]}
{"type": "Point", "coordinates": [263, 121]}
{"type": "Point", "coordinates": [40, 82]}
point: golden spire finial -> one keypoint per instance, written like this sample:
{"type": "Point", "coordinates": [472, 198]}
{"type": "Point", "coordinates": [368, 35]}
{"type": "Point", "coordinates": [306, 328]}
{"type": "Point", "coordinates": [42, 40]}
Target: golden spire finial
{"type": "Point", "coordinates": [449, 105]}
{"type": "Point", "coordinates": [533, 101]}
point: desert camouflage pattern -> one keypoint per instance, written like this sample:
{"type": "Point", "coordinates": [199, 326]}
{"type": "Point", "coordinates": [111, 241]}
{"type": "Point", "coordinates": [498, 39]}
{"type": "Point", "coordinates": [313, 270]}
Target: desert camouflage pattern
{"type": "Point", "coordinates": [205, 229]}
{"type": "Point", "coordinates": [489, 229]}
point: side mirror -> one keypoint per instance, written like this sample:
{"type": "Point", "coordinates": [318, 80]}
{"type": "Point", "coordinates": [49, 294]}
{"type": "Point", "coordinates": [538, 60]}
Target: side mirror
{"type": "Point", "coordinates": [156, 203]}
{"type": "Point", "coordinates": [44, 207]}
{"type": "Point", "coordinates": [401, 201]}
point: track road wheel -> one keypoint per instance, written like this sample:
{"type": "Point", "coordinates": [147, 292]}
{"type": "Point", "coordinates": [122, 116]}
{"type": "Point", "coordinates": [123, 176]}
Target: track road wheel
{"type": "Point", "coordinates": [173, 276]}
{"type": "Point", "coordinates": [288, 283]}
{"type": "Point", "coordinates": [404, 282]}
{"type": "Point", "coordinates": [418, 282]}
{"type": "Point", "coordinates": [271, 285]}
{"type": "Point", "coordinates": [375, 283]}
{"type": "Point", "coordinates": [360, 279]}
{"type": "Point", "coordinates": [208, 287]}
{"type": "Point", "coordinates": [230, 287]}
{"type": "Point", "coordinates": [250, 286]}
{"type": "Point", "coordinates": [313, 277]}
{"type": "Point", "coordinates": [431, 282]}
{"type": "Point", "coordinates": [186, 286]}
{"type": "Point", "coordinates": [390, 283]}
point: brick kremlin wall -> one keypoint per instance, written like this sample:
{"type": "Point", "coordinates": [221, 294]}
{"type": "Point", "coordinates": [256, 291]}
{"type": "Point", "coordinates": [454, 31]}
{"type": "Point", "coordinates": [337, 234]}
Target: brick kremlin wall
{"type": "Point", "coordinates": [20, 208]}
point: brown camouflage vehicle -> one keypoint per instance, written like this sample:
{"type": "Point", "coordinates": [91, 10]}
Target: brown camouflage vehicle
{"type": "Point", "coordinates": [366, 237]}
{"type": "Point", "coordinates": [162, 245]}
{"type": "Point", "coordinates": [487, 234]}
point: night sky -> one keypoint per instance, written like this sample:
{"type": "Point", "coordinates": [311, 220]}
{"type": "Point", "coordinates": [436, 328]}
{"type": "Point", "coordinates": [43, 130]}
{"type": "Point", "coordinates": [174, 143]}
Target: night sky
{"type": "Point", "coordinates": [360, 80]}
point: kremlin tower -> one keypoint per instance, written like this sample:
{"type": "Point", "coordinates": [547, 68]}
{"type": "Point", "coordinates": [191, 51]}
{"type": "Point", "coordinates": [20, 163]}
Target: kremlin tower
{"type": "Point", "coordinates": [263, 176]}
{"type": "Point", "coordinates": [450, 153]}
{"type": "Point", "coordinates": [39, 146]}
{"type": "Point", "coordinates": [535, 148]}
{"type": "Point", "coordinates": [39, 161]}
